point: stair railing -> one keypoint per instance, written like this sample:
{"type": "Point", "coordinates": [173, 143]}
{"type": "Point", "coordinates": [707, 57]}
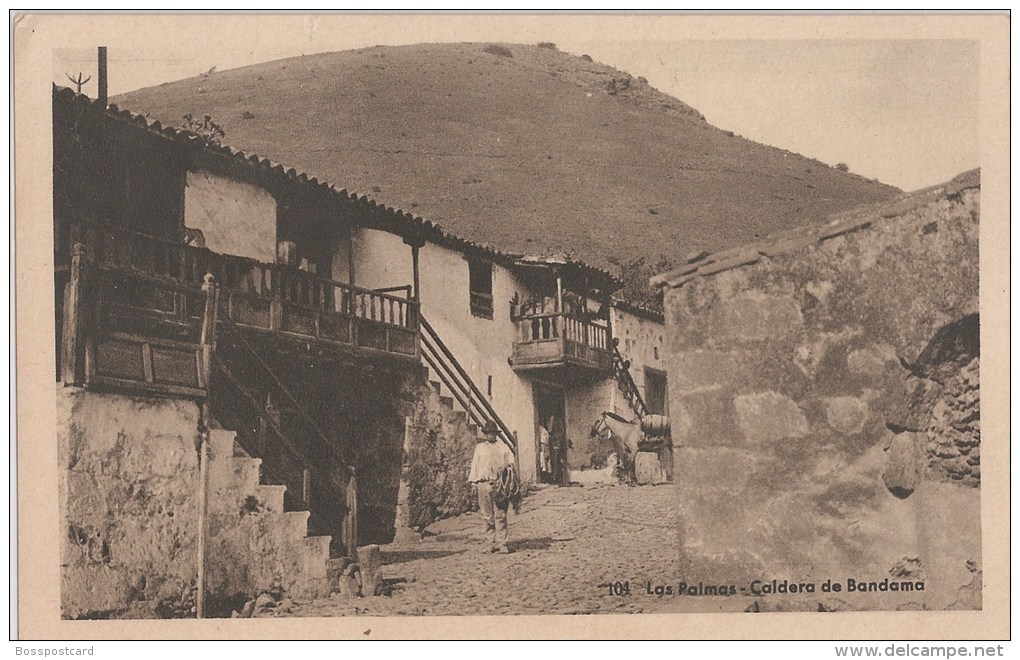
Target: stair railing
{"type": "Point", "coordinates": [297, 456]}
{"type": "Point", "coordinates": [625, 381]}
{"type": "Point", "coordinates": [442, 361]}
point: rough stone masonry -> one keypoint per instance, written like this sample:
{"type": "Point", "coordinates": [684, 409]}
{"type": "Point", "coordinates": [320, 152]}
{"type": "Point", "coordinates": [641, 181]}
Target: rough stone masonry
{"type": "Point", "coordinates": [824, 386]}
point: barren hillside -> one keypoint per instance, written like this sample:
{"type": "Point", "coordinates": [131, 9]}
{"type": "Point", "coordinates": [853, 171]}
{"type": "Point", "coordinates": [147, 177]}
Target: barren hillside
{"type": "Point", "coordinates": [529, 149]}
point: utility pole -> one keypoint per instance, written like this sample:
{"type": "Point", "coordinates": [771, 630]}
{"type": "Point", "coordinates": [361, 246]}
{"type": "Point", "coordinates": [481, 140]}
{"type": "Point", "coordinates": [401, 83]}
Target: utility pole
{"type": "Point", "coordinates": [103, 97]}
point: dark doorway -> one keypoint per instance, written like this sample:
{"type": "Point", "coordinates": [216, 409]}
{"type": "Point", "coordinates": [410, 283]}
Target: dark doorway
{"type": "Point", "coordinates": [656, 394]}
{"type": "Point", "coordinates": [550, 434]}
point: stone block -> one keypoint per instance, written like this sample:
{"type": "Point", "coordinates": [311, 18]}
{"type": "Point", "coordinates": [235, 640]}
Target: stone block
{"type": "Point", "coordinates": [221, 443]}
{"type": "Point", "coordinates": [347, 586]}
{"type": "Point", "coordinates": [755, 316]}
{"type": "Point", "coordinates": [708, 469]}
{"type": "Point", "coordinates": [692, 371]}
{"type": "Point", "coordinates": [769, 416]}
{"type": "Point", "coordinates": [910, 402]}
{"type": "Point", "coordinates": [903, 463]}
{"type": "Point", "coordinates": [647, 468]}
{"type": "Point", "coordinates": [271, 497]}
{"type": "Point", "coordinates": [370, 567]}
{"type": "Point", "coordinates": [705, 418]}
{"type": "Point", "coordinates": [870, 361]}
{"type": "Point", "coordinates": [846, 414]}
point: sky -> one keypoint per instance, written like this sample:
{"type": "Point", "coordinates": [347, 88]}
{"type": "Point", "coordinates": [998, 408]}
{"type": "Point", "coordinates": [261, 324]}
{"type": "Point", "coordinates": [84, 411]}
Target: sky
{"type": "Point", "coordinates": [902, 111]}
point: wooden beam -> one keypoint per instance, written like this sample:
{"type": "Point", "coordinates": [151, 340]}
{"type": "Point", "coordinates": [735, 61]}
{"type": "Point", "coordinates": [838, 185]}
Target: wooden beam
{"type": "Point", "coordinates": [350, 253]}
{"type": "Point", "coordinates": [72, 359]}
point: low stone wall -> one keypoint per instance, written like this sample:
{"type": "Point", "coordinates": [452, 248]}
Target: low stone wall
{"type": "Point", "coordinates": [825, 405]}
{"type": "Point", "coordinates": [128, 480]}
{"type": "Point", "coordinates": [128, 483]}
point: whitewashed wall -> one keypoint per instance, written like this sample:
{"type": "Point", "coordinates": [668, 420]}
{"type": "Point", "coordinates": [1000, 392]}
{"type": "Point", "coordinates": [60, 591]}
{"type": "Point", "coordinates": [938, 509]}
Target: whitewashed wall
{"type": "Point", "coordinates": [641, 342]}
{"type": "Point", "coordinates": [235, 217]}
{"type": "Point", "coordinates": [482, 346]}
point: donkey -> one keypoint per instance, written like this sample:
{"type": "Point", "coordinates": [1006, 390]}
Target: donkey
{"type": "Point", "coordinates": [628, 439]}
{"type": "Point", "coordinates": [625, 436]}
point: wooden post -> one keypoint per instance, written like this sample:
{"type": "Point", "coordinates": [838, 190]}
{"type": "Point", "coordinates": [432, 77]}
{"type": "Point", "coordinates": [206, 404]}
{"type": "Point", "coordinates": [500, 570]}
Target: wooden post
{"type": "Point", "coordinates": [350, 254]}
{"type": "Point", "coordinates": [349, 529]}
{"type": "Point", "coordinates": [73, 338]}
{"type": "Point", "coordinates": [306, 487]}
{"type": "Point", "coordinates": [208, 337]}
{"type": "Point", "coordinates": [416, 292]}
{"type": "Point", "coordinates": [276, 303]}
{"type": "Point", "coordinates": [203, 498]}
{"type": "Point", "coordinates": [416, 242]}
{"type": "Point", "coordinates": [559, 292]}
{"type": "Point", "coordinates": [208, 340]}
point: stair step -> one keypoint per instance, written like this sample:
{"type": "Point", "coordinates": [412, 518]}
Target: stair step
{"type": "Point", "coordinates": [312, 557]}
{"type": "Point", "coordinates": [271, 497]}
{"type": "Point", "coordinates": [296, 523]}
{"type": "Point", "coordinates": [446, 401]}
{"type": "Point", "coordinates": [221, 443]}
{"type": "Point", "coordinates": [436, 386]}
{"type": "Point", "coordinates": [238, 475]}
{"type": "Point", "coordinates": [319, 545]}
{"type": "Point", "coordinates": [458, 415]}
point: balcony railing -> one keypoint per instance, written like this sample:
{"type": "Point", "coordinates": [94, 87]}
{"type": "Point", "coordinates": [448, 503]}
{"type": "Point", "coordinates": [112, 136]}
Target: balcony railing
{"type": "Point", "coordinates": [274, 297]}
{"type": "Point", "coordinates": [547, 337]}
{"type": "Point", "coordinates": [140, 290]}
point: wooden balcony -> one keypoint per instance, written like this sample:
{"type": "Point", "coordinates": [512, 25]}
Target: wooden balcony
{"type": "Point", "coordinates": [130, 308]}
{"type": "Point", "coordinates": [561, 347]}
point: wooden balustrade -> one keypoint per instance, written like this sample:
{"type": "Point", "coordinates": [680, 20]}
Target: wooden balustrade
{"type": "Point", "coordinates": [131, 309]}
{"type": "Point", "coordinates": [550, 337]}
{"type": "Point", "coordinates": [124, 249]}
{"type": "Point", "coordinates": [549, 326]}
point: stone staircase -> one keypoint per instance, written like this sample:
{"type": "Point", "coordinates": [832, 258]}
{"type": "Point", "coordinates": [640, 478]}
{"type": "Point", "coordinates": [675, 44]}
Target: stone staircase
{"type": "Point", "coordinates": [456, 414]}
{"type": "Point", "coordinates": [256, 546]}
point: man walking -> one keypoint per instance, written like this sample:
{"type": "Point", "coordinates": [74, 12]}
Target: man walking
{"type": "Point", "coordinates": [490, 457]}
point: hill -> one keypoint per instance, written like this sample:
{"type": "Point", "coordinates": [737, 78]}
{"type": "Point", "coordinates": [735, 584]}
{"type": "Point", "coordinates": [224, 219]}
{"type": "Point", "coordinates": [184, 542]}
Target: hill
{"type": "Point", "coordinates": [526, 148]}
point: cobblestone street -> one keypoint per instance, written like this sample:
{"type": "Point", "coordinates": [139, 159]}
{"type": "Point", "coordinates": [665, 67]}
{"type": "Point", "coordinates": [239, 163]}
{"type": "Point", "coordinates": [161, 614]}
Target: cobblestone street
{"type": "Point", "coordinates": [569, 545]}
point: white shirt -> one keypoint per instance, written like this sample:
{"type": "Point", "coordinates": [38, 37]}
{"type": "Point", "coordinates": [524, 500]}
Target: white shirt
{"type": "Point", "coordinates": [489, 458]}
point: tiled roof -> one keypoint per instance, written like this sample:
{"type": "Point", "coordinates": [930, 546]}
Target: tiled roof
{"type": "Point", "coordinates": [704, 264]}
{"type": "Point", "coordinates": [401, 222]}
{"type": "Point", "coordinates": [639, 310]}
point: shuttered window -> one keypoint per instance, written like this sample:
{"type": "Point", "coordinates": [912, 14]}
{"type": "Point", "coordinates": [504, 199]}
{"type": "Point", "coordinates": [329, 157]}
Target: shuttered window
{"type": "Point", "coordinates": [480, 284]}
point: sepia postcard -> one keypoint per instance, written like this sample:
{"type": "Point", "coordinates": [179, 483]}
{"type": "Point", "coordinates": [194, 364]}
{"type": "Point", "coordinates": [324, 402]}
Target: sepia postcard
{"type": "Point", "coordinates": [512, 326]}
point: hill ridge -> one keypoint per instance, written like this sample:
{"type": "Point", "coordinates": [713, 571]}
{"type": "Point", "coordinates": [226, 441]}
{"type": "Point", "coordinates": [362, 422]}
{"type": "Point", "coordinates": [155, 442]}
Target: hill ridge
{"type": "Point", "coordinates": [538, 152]}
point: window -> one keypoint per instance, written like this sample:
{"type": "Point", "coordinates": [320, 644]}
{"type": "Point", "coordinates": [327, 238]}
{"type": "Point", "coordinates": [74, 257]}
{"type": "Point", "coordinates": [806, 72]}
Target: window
{"type": "Point", "coordinates": [480, 283]}
{"type": "Point", "coordinates": [656, 399]}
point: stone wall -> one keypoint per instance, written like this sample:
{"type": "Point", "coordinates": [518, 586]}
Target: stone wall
{"type": "Point", "coordinates": [376, 407]}
{"type": "Point", "coordinates": [128, 477]}
{"type": "Point", "coordinates": [825, 405]}
{"type": "Point", "coordinates": [128, 497]}
{"type": "Point", "coordinates": [437, 460]}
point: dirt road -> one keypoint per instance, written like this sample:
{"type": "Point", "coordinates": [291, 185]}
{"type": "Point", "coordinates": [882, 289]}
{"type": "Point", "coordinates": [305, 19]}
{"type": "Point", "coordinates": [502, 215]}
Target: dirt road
{"type": "Point", "coordinates": [574, 550]}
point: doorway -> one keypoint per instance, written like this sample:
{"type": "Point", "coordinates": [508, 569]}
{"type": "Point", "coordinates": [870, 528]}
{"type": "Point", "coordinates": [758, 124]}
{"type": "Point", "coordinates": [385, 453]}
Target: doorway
{"type": "Point", "coordinates": [550, 434]}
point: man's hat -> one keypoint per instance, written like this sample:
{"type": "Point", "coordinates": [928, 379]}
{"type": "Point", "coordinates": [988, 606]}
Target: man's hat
{"type": "Point", "coordinates": [490, 428]}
